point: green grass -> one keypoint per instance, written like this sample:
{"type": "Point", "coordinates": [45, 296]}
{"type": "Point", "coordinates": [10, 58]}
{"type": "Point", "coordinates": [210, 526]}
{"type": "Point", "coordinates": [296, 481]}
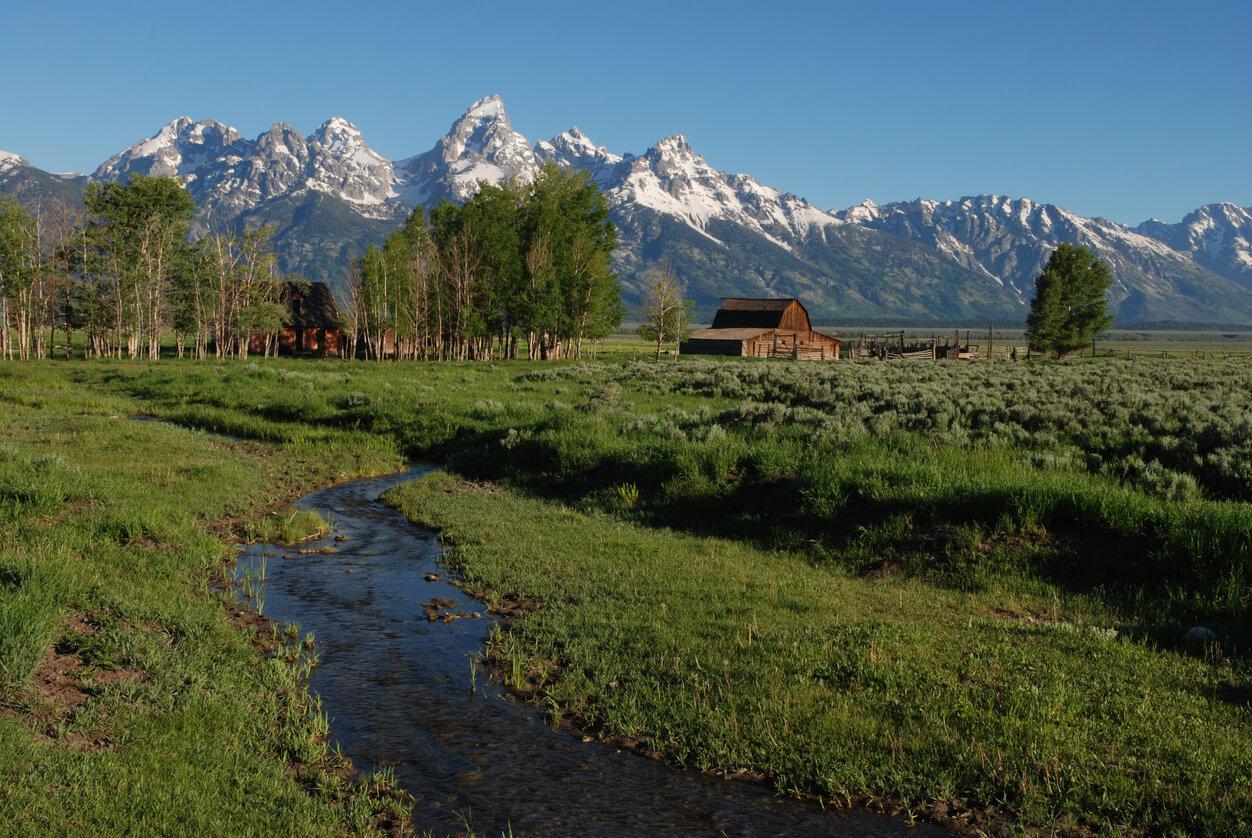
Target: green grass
{"type": "Point", "coordinates": [724, 656]}
{"type": "Point", "coordinates": [164, 717]}
{"type": "Point", "coordinates": [938, 587]}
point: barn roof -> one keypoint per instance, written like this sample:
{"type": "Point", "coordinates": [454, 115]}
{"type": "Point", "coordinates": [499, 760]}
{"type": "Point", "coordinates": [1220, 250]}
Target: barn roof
{"type": "Point", "coordinates": [748, 303]}
{"type": "Point", "coordinates": [311, 304]}
{"type": "Point", "coordinates": [741, 312]}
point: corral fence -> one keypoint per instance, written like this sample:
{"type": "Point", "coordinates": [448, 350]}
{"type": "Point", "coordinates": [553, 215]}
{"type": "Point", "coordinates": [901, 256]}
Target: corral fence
{"type": "Point", "coordinates": [959, 346]}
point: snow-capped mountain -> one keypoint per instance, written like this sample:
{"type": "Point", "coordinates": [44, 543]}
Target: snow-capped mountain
{"type": "Point", "coordinates": [575, 149]}
{"type": "Point", "coordinates": [330, 195]}
{"type": "Point", "coordinates": [673, 180]}
{"type": "Point", "coordinates": [33, 187]}
{"type": "Point", "coordinates": [228, 175]}
{"type": "Point", "coordinates": [482, 146]}
{"type": "Point", "coordinates": [9, 159]}
{"type": "Point", "coordinates": [181, 149]}
{"type": "Point", "coordinates": [1218, 236]}
{"type": "Point", "coordinates": [727, 234]}
{"type": "Point", "coordinates": [1011, 240]}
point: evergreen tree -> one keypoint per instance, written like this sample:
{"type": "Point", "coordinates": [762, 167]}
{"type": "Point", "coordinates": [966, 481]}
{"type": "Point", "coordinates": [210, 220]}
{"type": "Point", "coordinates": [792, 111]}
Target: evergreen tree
{"type": "Point", "coordinates": [1069, 306]}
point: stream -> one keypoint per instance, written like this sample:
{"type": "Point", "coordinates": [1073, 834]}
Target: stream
{"type": "Point", "coordinates": [396, 686]}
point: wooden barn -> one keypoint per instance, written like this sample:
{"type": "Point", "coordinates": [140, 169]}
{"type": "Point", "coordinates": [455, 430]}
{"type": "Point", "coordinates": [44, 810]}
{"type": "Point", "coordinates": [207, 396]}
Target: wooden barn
{"type": "Point", "coordinates": [762, 329]}
{"type": "Point", "coordinates": [314, 321]}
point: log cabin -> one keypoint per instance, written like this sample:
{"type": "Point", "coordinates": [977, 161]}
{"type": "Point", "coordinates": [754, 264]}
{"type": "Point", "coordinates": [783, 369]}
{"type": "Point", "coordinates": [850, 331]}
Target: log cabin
{"type": "Point", "coordinates": [313, 328]}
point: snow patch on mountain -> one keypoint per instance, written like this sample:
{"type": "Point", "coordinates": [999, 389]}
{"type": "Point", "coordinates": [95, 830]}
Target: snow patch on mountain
{"type": "Point", "coordinates": [8, 159]}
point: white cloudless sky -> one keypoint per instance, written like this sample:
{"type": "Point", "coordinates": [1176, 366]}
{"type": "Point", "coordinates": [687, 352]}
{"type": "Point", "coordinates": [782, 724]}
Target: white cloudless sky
{"type": "Point", "coordinates": [1126, 110]}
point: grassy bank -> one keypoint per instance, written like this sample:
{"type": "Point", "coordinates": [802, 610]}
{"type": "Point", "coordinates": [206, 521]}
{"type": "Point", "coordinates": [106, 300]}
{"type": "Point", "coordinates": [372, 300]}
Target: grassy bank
{"type": "Point", "coordinates": [1029, 709]}
{"type": "Point", "coordinates": [961, 588]}
{"type": "Point", "coordinates": [133, 701]}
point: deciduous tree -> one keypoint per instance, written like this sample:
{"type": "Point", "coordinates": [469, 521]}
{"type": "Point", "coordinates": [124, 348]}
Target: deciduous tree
{"type": "Point", "coordinates": [138, 235]}
{"type": "Point", "coordinates": [667, 313]}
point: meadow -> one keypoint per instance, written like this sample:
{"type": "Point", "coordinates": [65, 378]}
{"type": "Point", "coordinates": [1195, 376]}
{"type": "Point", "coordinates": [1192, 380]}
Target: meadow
{"type": "Point", "coordinates": [957, 591]}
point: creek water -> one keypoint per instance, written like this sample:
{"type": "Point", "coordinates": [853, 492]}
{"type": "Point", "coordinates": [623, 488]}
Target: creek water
{"type": "Point", "coordinates": [396, 686]}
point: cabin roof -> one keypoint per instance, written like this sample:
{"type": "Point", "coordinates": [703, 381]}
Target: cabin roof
{"type": "Point", "coordinates": [311, 304]}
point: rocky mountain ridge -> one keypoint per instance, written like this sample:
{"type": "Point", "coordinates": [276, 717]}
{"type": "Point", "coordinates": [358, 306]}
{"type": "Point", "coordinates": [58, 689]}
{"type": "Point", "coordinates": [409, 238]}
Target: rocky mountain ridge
{"type": "Point", "coordinates": [330, 194]}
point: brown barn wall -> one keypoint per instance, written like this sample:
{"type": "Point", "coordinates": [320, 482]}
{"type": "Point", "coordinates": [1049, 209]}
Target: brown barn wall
{"type": "Point", "coordinates": [794, 319]}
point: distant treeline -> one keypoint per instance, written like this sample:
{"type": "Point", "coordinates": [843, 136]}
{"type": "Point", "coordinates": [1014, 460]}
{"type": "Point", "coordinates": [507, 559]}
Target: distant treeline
{"type": "Point", "coordinates": [515, 265]}
{"type": "Point", "coordinates": [122, 270]}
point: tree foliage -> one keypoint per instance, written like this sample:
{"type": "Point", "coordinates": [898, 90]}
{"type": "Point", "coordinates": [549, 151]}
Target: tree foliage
{"type": "Point", "coordinates": [136, 248]}
{"type": "Point", "coordinates": [512, 265]}
{"type": "Point", "coordinates": [1069, 307]}
{"type": "Point", "coordinates": [22, 270]}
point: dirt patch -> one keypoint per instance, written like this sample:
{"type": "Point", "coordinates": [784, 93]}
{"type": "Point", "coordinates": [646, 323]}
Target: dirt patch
{"type": "Point", "coordinates": [513, 605]}
{"type": "Point", "coordinates": [65, 680]}
{"type": "Point", "coordinates": [72, 509]}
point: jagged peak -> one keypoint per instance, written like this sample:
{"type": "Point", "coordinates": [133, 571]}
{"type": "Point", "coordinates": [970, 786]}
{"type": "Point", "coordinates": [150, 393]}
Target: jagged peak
{"type": "Point", "coordinates": [674, 142]}
{"type": "Point", "coordinates": [573, 138]}
{"type": "Point", "coordinates": [8, 158]}
{"type": "Point", "coordinates": [338, 125]}
{"type": "Point", "coordinates": [488, 107]}
{"type": "Point", "coordinates": [166, 137]}
{"type": "Point", "coordinates": [1231, 212]}
{"type": "Point", "coordinates": [484, 131]}
{"type": "Point", "coordinates": [339, 136]}
{"type": "Point", "coordinates": [574, 143]}
{"type": "Point", "coordinates": [281, 128]}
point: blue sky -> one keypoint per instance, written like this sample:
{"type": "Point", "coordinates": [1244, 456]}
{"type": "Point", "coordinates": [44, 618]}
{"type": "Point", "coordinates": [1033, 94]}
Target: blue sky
{"type": "Point", "coordinates": [1126, 110]}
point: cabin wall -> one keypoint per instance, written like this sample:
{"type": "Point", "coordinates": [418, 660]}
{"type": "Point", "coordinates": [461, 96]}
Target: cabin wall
{"type": "Point", "coordinates": [805, 345]}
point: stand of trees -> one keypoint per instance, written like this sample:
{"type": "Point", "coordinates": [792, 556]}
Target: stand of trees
{"type": "Point", "coordinates": [515, 269]}
{"type": "Point", "coordinates": [122, 270]}
{"type": "Point", "coordinates": [513, 266]}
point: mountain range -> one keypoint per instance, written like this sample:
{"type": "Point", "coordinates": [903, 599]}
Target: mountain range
{"type": "Point", "coordinates": [330, 195]}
